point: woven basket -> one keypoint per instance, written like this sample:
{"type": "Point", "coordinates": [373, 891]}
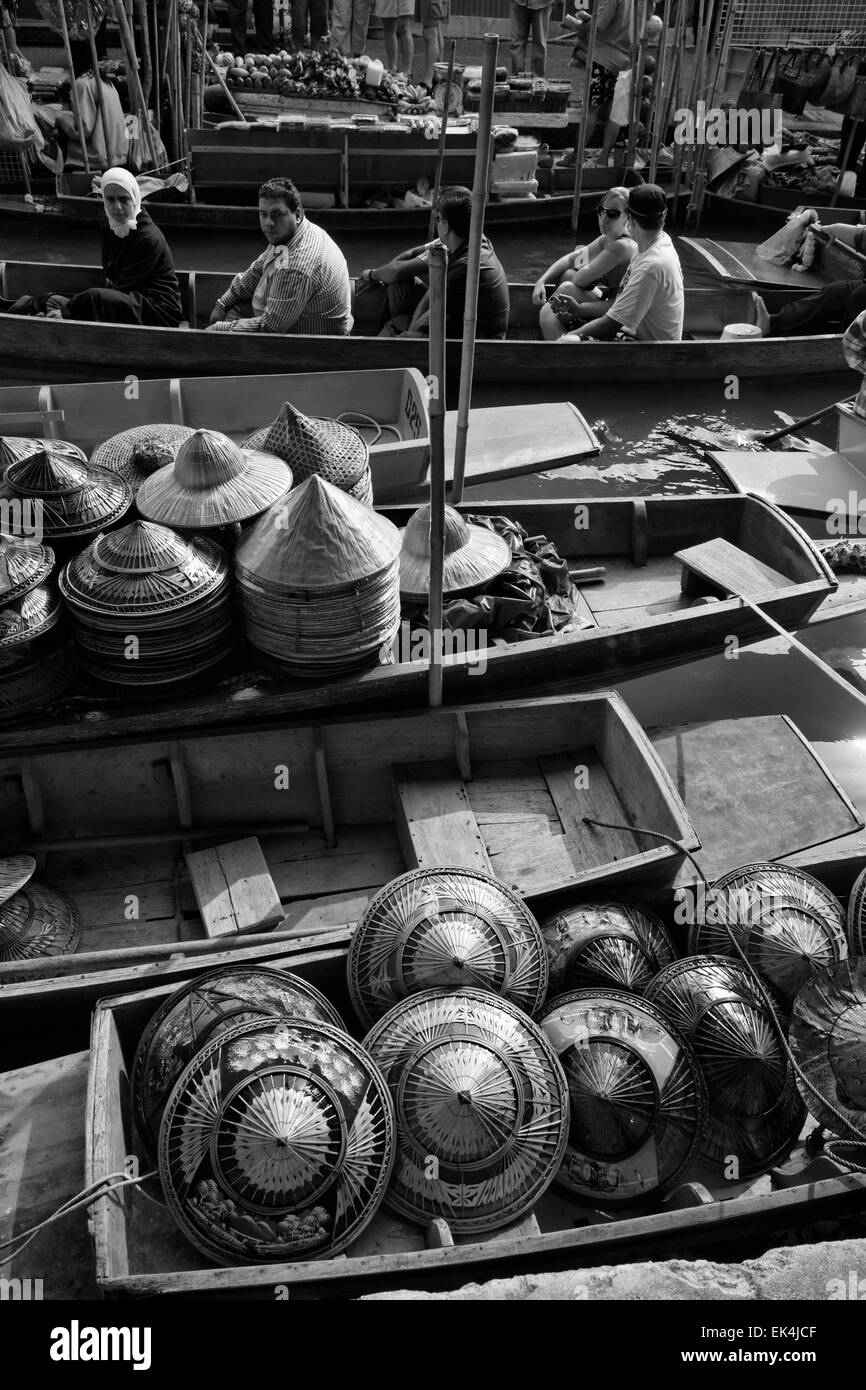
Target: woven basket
{"type": "Point", "coordinates": [140, 451]}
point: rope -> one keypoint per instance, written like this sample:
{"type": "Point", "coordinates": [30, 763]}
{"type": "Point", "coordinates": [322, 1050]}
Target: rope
{"type": "Point", "coordinates": [860, 1142]}
{"type": "Point", "coordinates": [92, 1193]}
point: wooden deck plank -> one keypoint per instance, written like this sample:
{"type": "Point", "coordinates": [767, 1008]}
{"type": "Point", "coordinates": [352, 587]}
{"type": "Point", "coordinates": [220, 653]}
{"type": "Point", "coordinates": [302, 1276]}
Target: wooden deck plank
{"type": "Point", "coordinates": [233, 888]}
{"type": "Point", "coordinates": [580, 785]}
{"type": "Point", "coordinates": [435, 821]}
{"type": "Point", "coordinates": [727, 567]}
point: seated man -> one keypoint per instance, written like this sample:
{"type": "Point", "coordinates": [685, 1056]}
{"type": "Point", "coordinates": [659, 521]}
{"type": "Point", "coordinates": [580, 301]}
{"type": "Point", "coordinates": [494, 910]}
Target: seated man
{"type": "Point", "coordinates": [299, 285]}
{"type": "Point", "coordinates": [409, 301]}
{"type": "Point", "coordinates": [649, 304]}
{"type": "Point", "coordinates": [828, 310]}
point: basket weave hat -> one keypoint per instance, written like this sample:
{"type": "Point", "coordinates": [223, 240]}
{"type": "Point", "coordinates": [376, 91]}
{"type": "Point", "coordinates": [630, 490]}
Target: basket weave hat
{"type": "Point", "coordinates": [32, 615]}
{"type": "Point", "coordinates": [76, 500]}
{"type": "Point", "coordinates": [15, 871]}
{"type": "Point", "coordinates": [24, 563]}
{"type": "Point", "coordinates": [607, 944]}
{"type": "Point", "coordinates": [828, 1040]}
{"type": "Point", "coordinates": [310, 445]}
{"type": "Point", "coordinates": [140, 451]}
{"type": "Point", "coordinates": [317, 538]}
{"type": "Point", "coordinates": [473, 555]}
{"type": "Point", "coordinates": [38, 921]}
{"type": "Point", "coordinates": [15, 447]}
{"type": "Point", "coordinates": [213, 482]}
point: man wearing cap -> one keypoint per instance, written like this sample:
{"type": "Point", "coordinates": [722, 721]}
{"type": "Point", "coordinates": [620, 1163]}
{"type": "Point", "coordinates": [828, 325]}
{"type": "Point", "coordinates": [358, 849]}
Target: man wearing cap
{"type": "Point", "coordinates": [409, 300]}
{"type": "Point", "coordinates": [300, 284]}
{"type": "Point", "coordinates": [649, 304]}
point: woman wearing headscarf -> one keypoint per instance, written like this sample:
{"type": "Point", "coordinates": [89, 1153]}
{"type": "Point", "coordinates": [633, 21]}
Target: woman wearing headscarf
{"type": "Point", "coordinates": [140, 281]}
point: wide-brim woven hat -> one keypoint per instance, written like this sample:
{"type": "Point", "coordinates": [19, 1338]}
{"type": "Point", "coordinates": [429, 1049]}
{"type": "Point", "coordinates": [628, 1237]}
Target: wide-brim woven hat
{"type": "Point", "coordinates": [15, 872]}
{"type": "Point", "coordinates": [473, 555]}
{"type": "Point", "coordinates": [74, 499]}
{"type": "Point", "coordinates": [828, 1040]}
{"type": "Point", "coordinates": [16, 447]}
{"type": "Point", "coordinates": [140, 451]}
{"type": "Point", "coordinates": [316, 539]}
{"type": "Point", "coordinates": [30, 616]}
{"type": "Point", "coordinates": [606, 944]}
{"type": "Point", "coordinates": [24, 563]}
{"type": "Point", "coordinates": [311, 445]}
{"type": "Point", "coordinates": [193, 1014]}
{"type": "Point", "coordinates": [213, 482]}
{"type": "Point", "coordinates": [38, 921]}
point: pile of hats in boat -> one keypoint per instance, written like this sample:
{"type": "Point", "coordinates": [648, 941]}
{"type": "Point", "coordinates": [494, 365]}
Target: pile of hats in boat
{"type": "Point", "coordinates": [35, 919]}
{"type": "Point", "coordinates": [152, 602]}
{"type": "Point", "coordinates": [501, 1056]}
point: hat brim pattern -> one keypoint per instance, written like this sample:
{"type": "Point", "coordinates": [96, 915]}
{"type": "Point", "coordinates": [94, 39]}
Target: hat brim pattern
{"type": "Point", "coordinates": [474, 565]}
{"type": "Point", "coordinates": [264, 480]}
{"type": "Point", "coordinates": [117, 453]}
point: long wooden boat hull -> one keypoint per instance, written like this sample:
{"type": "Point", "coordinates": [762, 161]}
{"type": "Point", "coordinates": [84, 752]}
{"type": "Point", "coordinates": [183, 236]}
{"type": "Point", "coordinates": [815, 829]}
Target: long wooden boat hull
{"type": "Point", "coordinates": [737, 263]}
{"type": "Point", "coordinates": [638, 614]}
{"type": "Point", "coordinates": [773, 205]}
{"type": "Point", "coordinates": [33, 348]}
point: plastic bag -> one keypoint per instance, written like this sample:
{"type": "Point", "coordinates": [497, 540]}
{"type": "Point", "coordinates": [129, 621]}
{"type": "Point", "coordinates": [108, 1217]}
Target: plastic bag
{"type": "Point", "coordinates": [783, 246]}
{"type": "Point", "coordinates": [18, 128]}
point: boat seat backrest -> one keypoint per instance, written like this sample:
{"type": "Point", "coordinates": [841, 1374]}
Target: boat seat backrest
{"type": "Point", "coordinates": [33, 277]}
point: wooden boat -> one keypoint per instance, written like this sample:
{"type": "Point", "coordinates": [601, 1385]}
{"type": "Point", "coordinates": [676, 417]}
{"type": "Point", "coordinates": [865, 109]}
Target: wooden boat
{"type": "Point", "coordinates": [773, 205]}
{"type": "Point", "coordinates": [504, 442]}
{"type": "Point", "coordinates": [33, 348]}
{"type": "Point", "coordinates": [640, 613]}
{"type": "Point", "coordinates": [737, 263]}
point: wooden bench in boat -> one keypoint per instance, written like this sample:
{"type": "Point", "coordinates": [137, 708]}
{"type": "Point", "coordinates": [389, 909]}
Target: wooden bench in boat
{"type": "Point", "coordinates": [139, 1251]}
{"type": "Point", "coordinates": [725, 568]}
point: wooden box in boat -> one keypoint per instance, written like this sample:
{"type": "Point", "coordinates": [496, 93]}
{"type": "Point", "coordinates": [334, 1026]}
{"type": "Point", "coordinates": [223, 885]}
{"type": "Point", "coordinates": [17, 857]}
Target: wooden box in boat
{"type": "Point", "coordinates": [33, 348]}
{"type": "Point", "coordinates": [638, 614]}
{"type": "Point", "coordinates": [140, 1253]}
{"type": "Point", "coordinates": [504, 442]}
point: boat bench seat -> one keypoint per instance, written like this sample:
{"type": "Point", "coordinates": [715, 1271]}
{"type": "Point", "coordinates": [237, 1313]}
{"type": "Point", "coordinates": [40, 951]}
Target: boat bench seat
{"type": "Point", "coordinates": [718, 565]}
{"type": "Point", "coordinates": [18, 278]}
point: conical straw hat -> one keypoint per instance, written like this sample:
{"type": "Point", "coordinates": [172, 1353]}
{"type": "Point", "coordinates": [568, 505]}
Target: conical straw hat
{"type": "Point", "coordinates": [317, 538]}
{"type": "Point", "coordinates": [75, 499]}
{"type": "Point", "coordinates": [142, 569]}
{"type": "Point", "coordinates": [311, 445]}
{"type": "Point", "coordinates": [24, 563]}
{"type": "Point", "coordinates": [473, 555]}
{"type": "Point", "coordinates": [213, 482]}
{"type": "Point", "coordinates": [30, 616]}
{"type": "Point", "coordinates": [140, 451]}
{"type": "Point", "coordinates": [15, 447]}
{"type": "Point", "coordinates": [15, 871]}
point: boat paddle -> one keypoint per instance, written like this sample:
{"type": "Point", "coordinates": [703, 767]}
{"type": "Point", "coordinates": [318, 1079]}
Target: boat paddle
{"type": "Point", "coordinates": [798, 424]}
{"type": "Point", "coordinates": [802, 649]}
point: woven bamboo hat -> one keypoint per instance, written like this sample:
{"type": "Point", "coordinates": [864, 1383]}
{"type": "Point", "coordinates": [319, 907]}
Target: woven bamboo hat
{"type": "Point", "coordinates": [32, 615]}
{"type": "Point", "coordinates": [473, 555]}
{"type": "Point", "coordinates": [140, 451]}
{"type": "Point", "coordinates": [24, 563]}
{"type": "Point", "coordinates": [478, 1087]}
{"type": "Point", "coordinates": [309, 444]}
{"type": "Point", "coordinates": [38, 921]}
{"type": "Point", "coordinates": [193, 1014]}
{"type": "Point", "coordinates": [15, 872]}
{"type": "Point", "coordinates": [277, 1142]}
{"type": "Point", "coordinates": [606, 944]}
{"type": "Point", "coordinates": [213, 482]}
{"type": "Point", "coordinates": [75, 500]}
{"type": "Point", "coordinates": [755, 1111]}
{"type": "Point", "coordinates": [828, 1039]}
{"type": "Point", "coordinates": [318, 538]}
{"type": "Point", "coordinates": [15, 447]}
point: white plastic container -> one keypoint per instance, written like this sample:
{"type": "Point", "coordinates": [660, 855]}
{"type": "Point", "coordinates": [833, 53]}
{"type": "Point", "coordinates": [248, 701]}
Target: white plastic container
{"type": "Point", "coordinates": [514, 188]}
{"type": "Point", "coordinates": [374, 73]}
{"type": "Point", "coordinates": [738, 332]}
{"type": "Point", "coordinates": [515, 166]}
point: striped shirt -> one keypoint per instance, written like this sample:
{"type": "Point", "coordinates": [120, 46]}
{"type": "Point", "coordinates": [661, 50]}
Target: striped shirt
{"type": "Point", "coordinates": [300, 287]}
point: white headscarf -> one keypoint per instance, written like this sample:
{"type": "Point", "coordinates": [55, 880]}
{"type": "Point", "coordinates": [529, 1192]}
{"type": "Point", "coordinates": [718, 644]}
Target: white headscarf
{"type": "Point", "coordinates": [122, 178]}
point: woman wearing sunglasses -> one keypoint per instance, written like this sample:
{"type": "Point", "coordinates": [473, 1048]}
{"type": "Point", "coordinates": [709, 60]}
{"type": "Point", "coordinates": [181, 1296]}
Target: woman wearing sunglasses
{"type": "Point", "coordinates": [588, 277]}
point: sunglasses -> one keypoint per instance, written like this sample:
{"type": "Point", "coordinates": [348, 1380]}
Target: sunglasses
{"type": "Point", "coordinates": [611, 213]}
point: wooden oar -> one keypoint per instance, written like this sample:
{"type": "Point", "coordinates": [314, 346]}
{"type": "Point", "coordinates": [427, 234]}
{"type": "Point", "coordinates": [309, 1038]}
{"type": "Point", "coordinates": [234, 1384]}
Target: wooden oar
{"type": "Point", "coordinates": [798, 424]}
{"type": "Point", "coordinates": [802, 649]}
{"type": "Point", "coordinates": [438, 269]}
{"type": "Point", "coordinates": [440, 153]}
{"type": "Point", "coordinates": [73, 90]}
{"type": "Point", "coordinates": [221, 80]}
{"type": "Point", "coordinates": [473, 262]}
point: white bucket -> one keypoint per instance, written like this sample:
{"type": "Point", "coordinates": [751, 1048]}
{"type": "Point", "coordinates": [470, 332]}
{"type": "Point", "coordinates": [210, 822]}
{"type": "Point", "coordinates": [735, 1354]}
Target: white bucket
{"type": "Point", "coordinates": [737, 332]}
{"type": "Point", "coordinates": [373, 73]}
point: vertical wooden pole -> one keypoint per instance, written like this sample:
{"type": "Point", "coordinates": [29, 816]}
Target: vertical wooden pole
{"type": "Point", "coordinates": [580, 144]}
{"type": "Point", "coordinates": [437, 264]}
{"type": "Point", "coordinates": [100, 99]}
{"type": "Point", "coordinates": [136, 94]}
{"type": "Point", "coordinates": [73, 91]}
{"type": "Point", "coordinates": [473, 264]}
{"type": "Point", "coordinates": [638, 52]}
{"type": "Point", "coordinates": [660, 94]}
{"type": "Point", "coordinates": [443, 132]}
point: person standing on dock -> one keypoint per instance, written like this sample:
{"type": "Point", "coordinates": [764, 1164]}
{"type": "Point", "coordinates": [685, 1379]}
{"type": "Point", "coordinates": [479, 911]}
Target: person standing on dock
{"type": "Point", "coordinates": [612, 55]}
{"type": "Point", "coordinates": [530, 17]}
{"type": "Point", "coordinates": [397, 17]}
{"type": "Point", "coordinates": [650, 304]}
{"type": "Point", "coordinates": [349, 24]}
{"type": "Point", "coordinates": [300, 284]}
{"type": "Point", "coordinates": [263, 13]}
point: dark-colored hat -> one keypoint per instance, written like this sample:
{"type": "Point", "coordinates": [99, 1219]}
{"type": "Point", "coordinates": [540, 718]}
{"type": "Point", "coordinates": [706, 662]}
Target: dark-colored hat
{"type": "Point", "coordinates": [647, 200]}
{"type": "Point", "coordinates": [607, 944]}
{"type": "Point", "coordinates": [38, 921]}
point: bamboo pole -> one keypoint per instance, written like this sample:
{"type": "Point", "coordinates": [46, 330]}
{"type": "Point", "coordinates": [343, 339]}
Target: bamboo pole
{"type": "Point", "coordinates": [438, 268]}
{"type": "Point", "coordinates": [146, 67]}
{"type": "Point", "coordinates": [73, 90]}
{"type": "Point", "coordinates": [676, 94]}
{"type": "Point", "coordinates": [721, 42]}
{"type": "Point", "coordinates": [640, 13]}
{"type": "Point", "coordinates": [100, 100]}
{"type": "Point", "coordinates": [201, 84]}
{"type": "Point", "coordinates": [157, 105]}
{"type": "Point", "coordinates": [580, 142]}
{"type": "Point", "coordinates": [128, 43]}
{"type": "Point", "coordinates": [662, 68]}
{"type": "Point", "coordinates": [443, 131]}
{"type": "Point", "coordinates": [473, 265]}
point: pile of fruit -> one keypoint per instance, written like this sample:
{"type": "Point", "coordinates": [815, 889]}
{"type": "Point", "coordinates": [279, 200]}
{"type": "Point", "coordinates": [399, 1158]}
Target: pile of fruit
{"type": "Point", "coordinates": [314, 74]}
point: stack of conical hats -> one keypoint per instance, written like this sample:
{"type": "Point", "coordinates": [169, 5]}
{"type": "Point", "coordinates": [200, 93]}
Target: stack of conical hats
{"type": "Point", "coordinates": [73, 500]}
{"type": "Point", "coordinates": [318, 576]}
{"type": "Point", "coordinates": [33, 667]}
{"type": "Point", "coordinates": [15, 447]}
{"type": "Point", "coordinates": [311, 445]}
{"type": "Point", "coordinates": [35, 920]}
{"type": "Point", "coordinates": [213, 483]}
{"type": "Point", "coordinates": [150, 607]}
{"type": "Point", "coordinates": [140, 451]}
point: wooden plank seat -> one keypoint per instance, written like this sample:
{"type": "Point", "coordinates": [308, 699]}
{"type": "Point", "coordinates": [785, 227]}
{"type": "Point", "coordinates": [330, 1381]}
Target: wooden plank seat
{"type": "Point", "coordinates": [719, 565]}
{"type": "Point", "coordinates": [18, 278]}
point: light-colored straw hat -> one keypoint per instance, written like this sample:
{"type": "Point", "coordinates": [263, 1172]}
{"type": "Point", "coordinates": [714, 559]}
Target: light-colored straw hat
{"type": "Point", "coordinates": [15, 871]}
{"type": "Point", "coordinates": [473, 555]}
{"type": "Point", "coordinates": [24, 563]}
{"type": "Point", "coordinates": [140, 451]}
{"type": "Point", "coordinates": [213, 482]}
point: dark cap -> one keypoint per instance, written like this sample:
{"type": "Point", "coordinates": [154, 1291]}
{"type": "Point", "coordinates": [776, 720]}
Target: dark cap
{"type": "Point", "coordinates": [647, 200]}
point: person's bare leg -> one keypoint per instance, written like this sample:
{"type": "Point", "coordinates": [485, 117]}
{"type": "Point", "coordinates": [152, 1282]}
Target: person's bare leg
{"type": "Point", "coordinates": [432, 50]}
{"type": "Point", "coordinates": [406, 45]}
{"type": "Point", "coordinates": [389, 38]}
{"type": "Point", "coordinates": [611, 131]}
{"type": "Point", "coordinates": [551, 328]}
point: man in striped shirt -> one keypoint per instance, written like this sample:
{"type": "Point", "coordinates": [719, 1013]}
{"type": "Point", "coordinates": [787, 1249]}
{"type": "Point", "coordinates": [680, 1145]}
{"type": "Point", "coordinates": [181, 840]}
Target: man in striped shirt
{"type": "Point", "coordinates": [299, 285]}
